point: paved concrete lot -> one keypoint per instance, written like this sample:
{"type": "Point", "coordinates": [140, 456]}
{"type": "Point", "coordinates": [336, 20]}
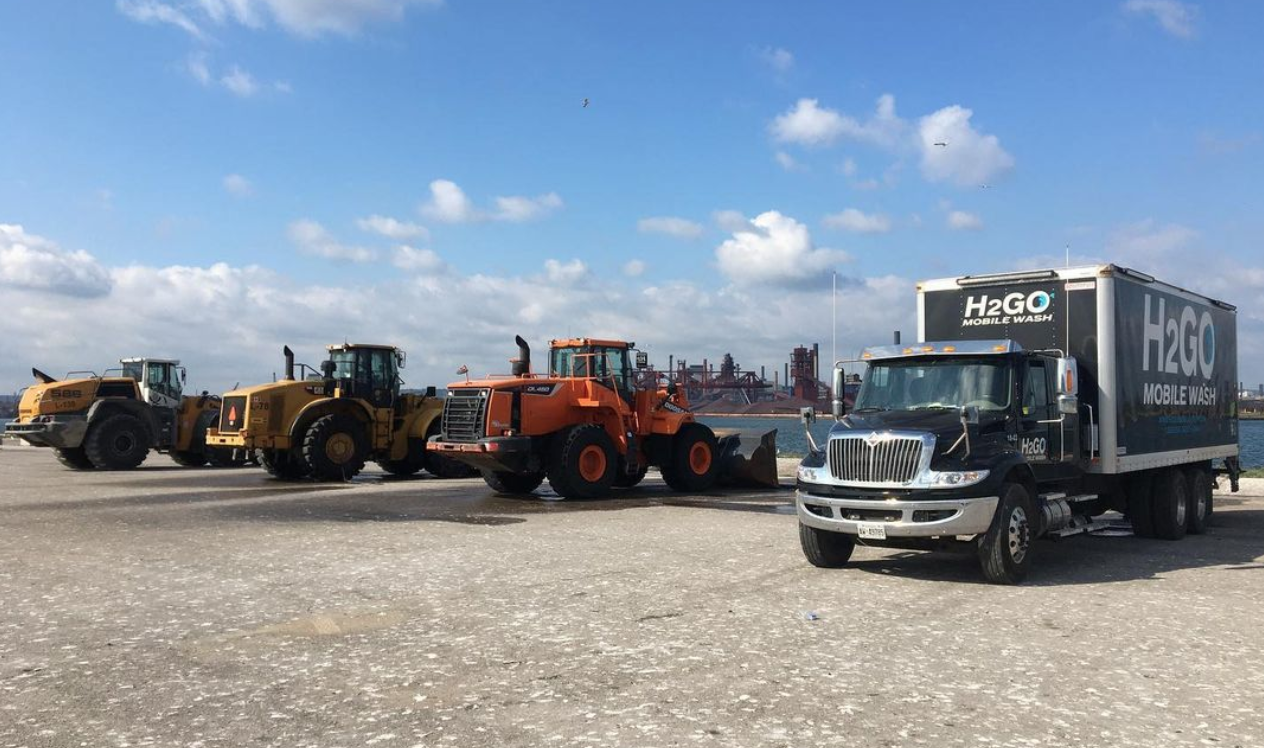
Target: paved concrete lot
{"type": "Point", "coordinates": [180, 607]}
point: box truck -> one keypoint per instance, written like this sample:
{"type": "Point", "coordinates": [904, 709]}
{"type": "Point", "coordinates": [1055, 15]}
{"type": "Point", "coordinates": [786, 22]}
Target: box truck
{"type": "Point", "coordinates": [1032, 403]}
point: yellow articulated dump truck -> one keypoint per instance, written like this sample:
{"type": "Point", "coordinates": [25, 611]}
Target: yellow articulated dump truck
{"type": "Point", "coordinates": [328, 423]}
{"type": "Point", "coordinates": [111, 422]}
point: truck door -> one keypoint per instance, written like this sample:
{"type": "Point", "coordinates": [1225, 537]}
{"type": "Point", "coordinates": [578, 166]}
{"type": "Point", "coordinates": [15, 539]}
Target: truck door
{"type": "Point", "coordinates": [1039, 429]}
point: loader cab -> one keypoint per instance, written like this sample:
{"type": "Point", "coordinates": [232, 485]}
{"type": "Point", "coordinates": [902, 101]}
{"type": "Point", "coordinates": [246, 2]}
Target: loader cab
{"type": "Point", "coordinates": [161, 380]}
{"type": "Point", "coordinates": [366, 372]}
{"type": "Point", "coordinates": [604, 360]}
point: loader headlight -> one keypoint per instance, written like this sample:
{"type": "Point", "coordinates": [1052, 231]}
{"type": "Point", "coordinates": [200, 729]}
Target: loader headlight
{"type": "Point", "coordinates": [956, 479]}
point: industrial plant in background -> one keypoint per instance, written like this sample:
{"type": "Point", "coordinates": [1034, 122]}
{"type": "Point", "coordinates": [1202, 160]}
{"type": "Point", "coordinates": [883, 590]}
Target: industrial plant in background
{"type": "Point", "coordinates": [730, 390]}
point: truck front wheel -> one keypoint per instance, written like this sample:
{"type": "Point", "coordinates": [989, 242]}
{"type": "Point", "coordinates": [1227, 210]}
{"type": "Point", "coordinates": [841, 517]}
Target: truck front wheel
{"type": "Point", "coordinates": [825, 549]}
{"type": "Point", "coordinates": [1171, 505]}
{"type": "Point", "coordinates": [1005, 550]}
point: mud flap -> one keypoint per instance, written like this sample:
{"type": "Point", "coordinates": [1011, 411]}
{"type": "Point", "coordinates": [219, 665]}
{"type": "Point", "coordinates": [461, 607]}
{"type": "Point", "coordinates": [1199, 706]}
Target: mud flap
{"type": "Point", "coordinates": [748, 458]}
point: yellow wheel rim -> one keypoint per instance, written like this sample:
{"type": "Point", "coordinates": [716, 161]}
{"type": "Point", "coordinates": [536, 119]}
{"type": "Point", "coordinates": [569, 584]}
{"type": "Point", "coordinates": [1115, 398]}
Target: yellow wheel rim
{"type": "Point", "coordinates": [340, 448]}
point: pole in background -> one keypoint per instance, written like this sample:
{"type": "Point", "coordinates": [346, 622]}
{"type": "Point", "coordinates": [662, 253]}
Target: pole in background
{"type": "Point", "coordinates": [834, 324]}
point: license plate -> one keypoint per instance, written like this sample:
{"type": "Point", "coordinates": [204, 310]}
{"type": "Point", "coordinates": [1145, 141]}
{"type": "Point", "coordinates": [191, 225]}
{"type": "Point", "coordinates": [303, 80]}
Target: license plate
{"type": "Point", "coordinates": [873, 531]}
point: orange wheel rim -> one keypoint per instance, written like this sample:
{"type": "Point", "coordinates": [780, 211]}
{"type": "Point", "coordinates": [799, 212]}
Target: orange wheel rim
{"type": "Point", "coordinates": [592, 463]}
{"type": "Point", "coordinates": [700, 458]}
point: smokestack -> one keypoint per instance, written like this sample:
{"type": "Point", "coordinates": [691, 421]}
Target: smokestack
{"type": "Point", "coordinates": [289, 363]}
{"type": "Point", "coordinates": [816, 361]}
{"type": "Point", "coordinates": [787, 374]}
{"type": "Point", "coordinates": [897, 337]}
{"type": "Point", "coordinates": [522, 366]}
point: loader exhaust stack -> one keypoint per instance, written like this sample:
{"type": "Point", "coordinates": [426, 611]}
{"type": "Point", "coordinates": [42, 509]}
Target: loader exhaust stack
{"type": "Point", "coordinates": [289, 364]}
{"type": "Point", "coordinates": [522, 365]}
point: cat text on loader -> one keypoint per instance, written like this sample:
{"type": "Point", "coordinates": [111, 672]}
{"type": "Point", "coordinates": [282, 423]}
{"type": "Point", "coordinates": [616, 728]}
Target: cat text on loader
{"type": "Point", "coordinates": [328, 424]}
{"type": "Point", "coordinates": [589, 425]}
{"type": "Point", "coordinates": [111, 422]}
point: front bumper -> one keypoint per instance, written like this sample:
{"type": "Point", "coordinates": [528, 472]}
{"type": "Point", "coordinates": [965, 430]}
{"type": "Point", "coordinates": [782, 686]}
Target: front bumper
{"type": "Point", "coordinates": [62, 432]}
{"type": "Point", "coordinates": [900, 518]}
{"type": "Point", "coordinates": [246, 440]}
{"type": "Point", "coordinates": [507, 454]}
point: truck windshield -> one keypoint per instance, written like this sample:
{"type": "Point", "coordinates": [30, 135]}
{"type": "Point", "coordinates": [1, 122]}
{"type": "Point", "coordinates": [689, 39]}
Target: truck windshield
{"type": "Point", "coordinates": [923, 384]}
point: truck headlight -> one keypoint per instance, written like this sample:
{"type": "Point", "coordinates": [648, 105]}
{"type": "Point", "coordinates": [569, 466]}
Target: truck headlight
{"type": "Point", "coordinates": [956, 479]}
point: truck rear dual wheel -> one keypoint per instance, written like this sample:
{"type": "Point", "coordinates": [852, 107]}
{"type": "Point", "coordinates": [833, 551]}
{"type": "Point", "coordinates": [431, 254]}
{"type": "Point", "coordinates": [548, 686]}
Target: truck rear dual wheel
{"type": "Point", "coordinates": [695, 460]}
{"type": "Point", "coordinates": [117, 442]}
{"type": "Point", "coordinates": [1005, 550]}
{"type": "Point", "coordinates": [335, 447]}
{"type": "Point", "coordinates": [512, 483]}
{"type": "Point", "coordinates": [825, 549]}
{"type": "Point", "coordinates": [1199, 482]}
{"type": "Point", "coordinates": [1170, 507]}
{"type": "Point", "coordinates": [75, 459]}
{"type": "Point", "coordinates": [1140, 489]}
{"type": "Point", "coordinates": [582, 462]}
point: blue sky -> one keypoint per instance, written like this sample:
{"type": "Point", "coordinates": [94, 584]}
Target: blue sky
{"type": "Point", "coordinates": [213, 178]}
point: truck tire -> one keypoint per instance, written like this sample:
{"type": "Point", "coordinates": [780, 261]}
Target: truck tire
{"type": "Point", "coordinates": [1005, 550]}
{"type": "Point", "coordinates": [1140, 512]}
{"type": "Point", "coordinates": [189, 459]}
{"type": "Point", "coordinates": [512, 483]}
{"type": "Point", "coordinates": [412, 462]}
{"type": "Point", "coordinates": [694, 459]}
{"type": "Point", "coordinates": [628, 480]}
{"type": "Point", "coordinates": [582, 462]}
{"type": "Point", "coordinates": [1199, 482]}
{"type": "Point", "coordinates": [334, 447]}
{"type": "Point", "coordinates": [117, 442]}
{"type": "Point", "coordinates": [825, 549]}
{"type": "Point", "coordinates": [283, 464]}
{"type": "Point", "coordinates": [1171, 505]}
{"type": "Point", "coordinates": [73, 458]}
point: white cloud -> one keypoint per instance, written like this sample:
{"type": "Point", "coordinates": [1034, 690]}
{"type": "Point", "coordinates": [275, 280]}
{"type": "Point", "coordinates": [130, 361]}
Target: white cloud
{"type": "Point", "coordinates": [517, 209]}
{"type": "Point", "coordinates": [774, 249]}
{"type": "Point", "coordinates": [968, 156]}
{"type": "Point", "coordinates": [448, 203]}
{"type": "Point", "coordinates": [807, 123]}
{"type": "Point", "coordinates": [730, 220]}
{"type": "Point", "coordinates": [565, 273]}
{"type": "Point", "coordinates": [313, 239]}
{"type": "Point", "coordinates": [681, 228]}
{"type": "Point", "coordinates": [778, 59]}
{"type": "Point", "coordinates": [28, 261]}
{"type": "Point", "coordinates": [1176, 18]}
{"type": "Point", "coordinates": [153, 12]}
{"type": "Point", "coordinates": [238, 186]}
{"type": "Point", "coordinates": [198, 68]}
{"type": "Point", "coordinates": [960, 220]}
{"type": "Point", "coordinates": [239, 82]}
{"type": "Point", "coordinates": [418, 260]}
{"type": "Point", "coordinates": [855, 221]}
{"type": "Point", "coordinates": [788, 162]}
{"type": "Point", "coordinates": [392, 228]}
{"type": "Point", "coordinates": [634, 268]}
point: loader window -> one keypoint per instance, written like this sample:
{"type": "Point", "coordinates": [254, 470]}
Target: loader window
{"type": "Point", "coordinates": [134, 370]}
{"type": "Point", "coordinates": [163, 379]}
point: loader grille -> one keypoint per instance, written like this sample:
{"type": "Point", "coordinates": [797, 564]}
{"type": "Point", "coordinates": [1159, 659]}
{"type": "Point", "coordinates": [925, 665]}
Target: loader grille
{"type": "Point", "coordinates": [464, 414]}
{"type": "Point", "coordinates": [875, 458]}
{"type": "Point", "coordinates": [232, 414]}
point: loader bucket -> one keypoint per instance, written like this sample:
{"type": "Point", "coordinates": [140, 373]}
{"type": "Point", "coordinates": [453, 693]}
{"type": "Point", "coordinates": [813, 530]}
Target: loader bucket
{"type": "Point", "coordinates": [748, 458]}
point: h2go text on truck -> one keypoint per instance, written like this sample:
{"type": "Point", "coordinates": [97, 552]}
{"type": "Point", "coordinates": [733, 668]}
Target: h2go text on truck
{"type": "Point", "coordinates": [1035, 402]}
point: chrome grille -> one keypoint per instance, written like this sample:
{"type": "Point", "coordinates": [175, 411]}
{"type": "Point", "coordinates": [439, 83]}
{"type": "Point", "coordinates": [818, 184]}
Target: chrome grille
{"type": "Point", "coordinates": [464, 414]}
{"type": "Point", "coordinates": [886, 459]}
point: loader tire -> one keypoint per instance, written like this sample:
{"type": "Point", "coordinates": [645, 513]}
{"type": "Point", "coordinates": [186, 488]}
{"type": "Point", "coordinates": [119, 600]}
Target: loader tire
{"type": "Point", "coordinates": [283, 464]}
{"type": "Point", "coordinates": [334, 447]}
{"type": "Point", "coordinates": [582, 462]}
{"type": "Point", "coordinates": [1171, 505]}
{"type": "Point", "coordinates": [628, 480]}
{"type": "Point", "coordinates": [441, 466]}
{"type": "Point", "coordinates": [412, 462]}
{"type": "Point", "coordinates": [73, 458]}
{"type": "Point", "coordinates": [512, 483]}
{"type": "Point", "coordinates": [118, 442]}
{"type": "Point", "coordinates": [695, 461]}
{"type": "Point", "coordinates": [189, 459]}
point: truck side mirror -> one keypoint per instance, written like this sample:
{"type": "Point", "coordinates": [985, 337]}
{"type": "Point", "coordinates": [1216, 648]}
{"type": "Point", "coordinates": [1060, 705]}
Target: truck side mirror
{"type": "Point", "coordinates": [1068, 405]}
{"type": "Point", "coordinates": [1068, 377]}
{"type": "Point", "coordinates": [642, 359]}
{"type": "Point", "coordinates": [970, 415]}
{"type": "Point", "coordinates": [839, 405]}
{"type": "Point", "coordinates": [807, 415]}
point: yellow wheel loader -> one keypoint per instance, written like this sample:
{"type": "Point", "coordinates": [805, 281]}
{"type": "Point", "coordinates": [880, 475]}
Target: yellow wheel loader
{"type": "Point", "coordinates": [111, 422]}
{"type": "Point", "coordinates": [327, 424]}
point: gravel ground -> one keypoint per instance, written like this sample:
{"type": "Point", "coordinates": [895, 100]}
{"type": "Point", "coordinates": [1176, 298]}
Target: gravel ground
{"type": "Point", "coordinates": [197, 607]}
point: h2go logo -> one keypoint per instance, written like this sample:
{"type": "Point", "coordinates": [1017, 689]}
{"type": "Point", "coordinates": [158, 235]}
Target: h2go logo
{"type": "Point", "coordinates": [1034, 447]}
{"type": "Point", "coordinates": [1011, 308]}
{"type": "Point", "coordinates": [1184, 342]}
